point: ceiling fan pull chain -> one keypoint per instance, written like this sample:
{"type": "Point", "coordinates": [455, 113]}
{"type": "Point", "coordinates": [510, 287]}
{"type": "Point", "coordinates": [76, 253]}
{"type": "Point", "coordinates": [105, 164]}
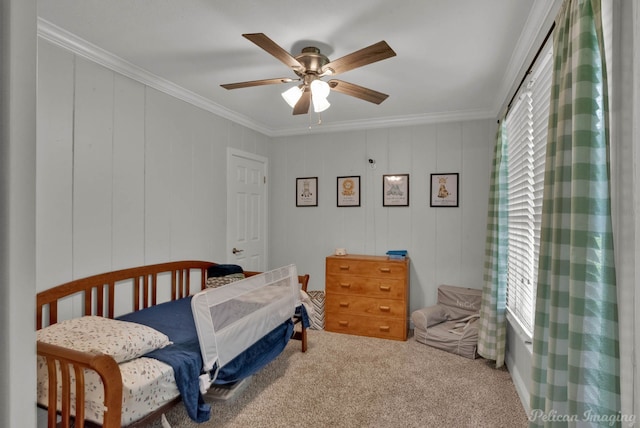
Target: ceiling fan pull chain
{"type": "Point", "coordinates": [319, 122]}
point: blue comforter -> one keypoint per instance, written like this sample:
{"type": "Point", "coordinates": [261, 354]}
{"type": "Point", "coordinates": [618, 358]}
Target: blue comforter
{"type": "Point", "coordinates": [175, 319]}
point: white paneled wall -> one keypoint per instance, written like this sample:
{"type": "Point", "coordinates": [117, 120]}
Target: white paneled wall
{"type": "Point", "coordinates": [126, 175]}
{"type": "Point", "coordinates": [92, 188]}
{"type": "Point", "coordinates": [54, 166]}
{"type": "Point", "coordinates": [446, 245]}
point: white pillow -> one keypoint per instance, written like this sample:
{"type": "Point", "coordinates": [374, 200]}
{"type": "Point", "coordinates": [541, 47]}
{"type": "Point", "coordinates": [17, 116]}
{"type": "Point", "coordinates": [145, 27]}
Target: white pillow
{"type": "Point", "coordinates": [122, 340]}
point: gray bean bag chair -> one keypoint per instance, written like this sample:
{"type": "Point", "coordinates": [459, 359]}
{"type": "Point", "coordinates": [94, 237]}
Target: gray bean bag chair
{"type": "Point", "coordinates": [451, 324]}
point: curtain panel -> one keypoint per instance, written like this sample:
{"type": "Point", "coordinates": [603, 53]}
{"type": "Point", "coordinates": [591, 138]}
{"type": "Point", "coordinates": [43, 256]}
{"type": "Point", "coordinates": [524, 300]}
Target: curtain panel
{"type": "Point", "coordinates": [492, 329]}
{"type": "Point", "coordinates": [575, 372]}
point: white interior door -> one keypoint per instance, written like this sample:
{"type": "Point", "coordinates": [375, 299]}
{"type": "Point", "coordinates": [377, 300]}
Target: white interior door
{"type": "Point", "coordinates": [246, 210]}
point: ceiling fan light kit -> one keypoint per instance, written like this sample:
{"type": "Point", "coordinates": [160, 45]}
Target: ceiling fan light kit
{"type": "Point", "coordinates": [320, 104]}
{"type": "Point", "coordinates": [319, 93]}
{"type": "Point", "coordinates": [292, 95]}
{"type": "Point", "coordinates": [311, 66]}
{"type": "Point", "coordinates": [320, 88]}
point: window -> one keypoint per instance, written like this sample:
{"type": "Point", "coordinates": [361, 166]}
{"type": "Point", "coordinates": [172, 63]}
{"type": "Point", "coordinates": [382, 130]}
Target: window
{"type": "Point", "coordinates": [526, 128]}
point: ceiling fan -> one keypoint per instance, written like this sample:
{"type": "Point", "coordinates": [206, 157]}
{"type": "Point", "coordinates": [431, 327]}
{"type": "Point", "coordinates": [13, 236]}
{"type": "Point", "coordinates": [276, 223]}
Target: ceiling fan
{"type": "Point", "coordinates": [311, 66]}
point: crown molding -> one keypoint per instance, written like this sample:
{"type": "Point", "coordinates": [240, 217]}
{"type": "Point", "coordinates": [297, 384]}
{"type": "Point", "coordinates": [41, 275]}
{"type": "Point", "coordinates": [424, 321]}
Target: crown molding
{"type": "Point", "coordinates": [60, 37]}
{"type": "Point", "coordinates": [387, 122]}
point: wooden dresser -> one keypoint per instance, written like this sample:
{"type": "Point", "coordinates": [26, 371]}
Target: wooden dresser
{"type": "Point", "coordinates": [367, 296]}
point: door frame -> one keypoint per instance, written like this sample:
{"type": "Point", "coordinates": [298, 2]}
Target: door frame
{"type": "Point", "coordinates": [232, 152]}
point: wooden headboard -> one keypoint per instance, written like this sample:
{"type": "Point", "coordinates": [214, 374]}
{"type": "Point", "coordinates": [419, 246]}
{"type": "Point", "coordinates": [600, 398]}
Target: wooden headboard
{"type": "Point", "coordinates": [98, 291]}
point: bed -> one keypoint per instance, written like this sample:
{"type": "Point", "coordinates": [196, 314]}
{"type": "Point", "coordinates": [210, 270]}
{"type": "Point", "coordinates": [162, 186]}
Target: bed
{"type": "Point", "coordinates": [114, 390]}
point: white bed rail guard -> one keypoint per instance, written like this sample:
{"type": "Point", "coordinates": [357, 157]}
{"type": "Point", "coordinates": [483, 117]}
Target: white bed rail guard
{"type": "Point", "coordinates": [233, 317]}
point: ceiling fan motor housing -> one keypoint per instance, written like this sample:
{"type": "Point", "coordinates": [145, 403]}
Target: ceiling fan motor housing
{"type": "Point", "coordinates": [312, 61]}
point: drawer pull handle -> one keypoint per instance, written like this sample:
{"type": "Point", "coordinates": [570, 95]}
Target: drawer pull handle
{"type": "Point", "coordinates": [385, 269]}
{"type": "Point", "coordinates": [345, 285]}
{"type": "Point", "coordinates": [385, 308]}
{"type": "Point", "coordinates": [343, 323]}
{"type": "Point", "coordinates": [344, 304]}
{"type": "Point", "coordinates": [344, 267]}
{"type": "Point", "coordinates": [385, 288]}
{"type": "Point", "coordinates": [384, 328]}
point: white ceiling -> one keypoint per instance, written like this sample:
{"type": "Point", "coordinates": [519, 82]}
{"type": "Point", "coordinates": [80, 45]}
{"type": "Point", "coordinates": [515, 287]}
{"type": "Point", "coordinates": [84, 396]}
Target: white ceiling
{"type": "Point", "coordinates": [455, 59]}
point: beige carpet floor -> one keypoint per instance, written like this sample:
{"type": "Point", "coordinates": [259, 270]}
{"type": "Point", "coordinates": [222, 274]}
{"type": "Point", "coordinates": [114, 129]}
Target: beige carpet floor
{"type": "Point", "coordinates": [352, 381]}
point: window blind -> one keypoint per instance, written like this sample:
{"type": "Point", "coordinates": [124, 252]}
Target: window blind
{"type": "Point", "coordinates": [526, 127]}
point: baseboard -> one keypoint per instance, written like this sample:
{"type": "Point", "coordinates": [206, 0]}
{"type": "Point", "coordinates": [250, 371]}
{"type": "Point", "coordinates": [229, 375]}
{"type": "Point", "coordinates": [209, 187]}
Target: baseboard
{"type": "Point", "coordinates": [518, 382]}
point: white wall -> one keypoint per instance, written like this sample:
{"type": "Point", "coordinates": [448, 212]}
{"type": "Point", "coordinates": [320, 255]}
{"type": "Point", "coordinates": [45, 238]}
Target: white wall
{"type": "Point", "coordinates": [126, 175]}
{"type": "Point", "coordinates": [624, 74]}
{"type": "Point", "coordinates": [17, 212]}
{"type": "Point", "coordinates": [446, 245]}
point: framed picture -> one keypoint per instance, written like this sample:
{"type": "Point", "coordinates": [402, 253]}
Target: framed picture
{"type": "Point", "coordinates": [395, 190]}
{"type": "Point", "coordinates": [307, 192]}
{"type": "Point", "coordinates": [349, 191]}
{"type": "Point", "coordinates": [444, 190]}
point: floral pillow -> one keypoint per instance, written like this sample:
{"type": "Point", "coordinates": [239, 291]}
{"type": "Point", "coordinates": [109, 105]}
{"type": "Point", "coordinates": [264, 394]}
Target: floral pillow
{"type": "Point", "coordinates": [122, 340]}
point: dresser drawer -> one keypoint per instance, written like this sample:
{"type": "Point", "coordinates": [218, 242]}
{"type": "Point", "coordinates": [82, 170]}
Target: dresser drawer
{"type": "Point", "coordinates": [386, 328]}
{"type": "Point", "coordinates": [389, 288]}
{"type": "Point", "coordinates": [347, 304]}
{"type": "Point", "coordinates": [372, 268]}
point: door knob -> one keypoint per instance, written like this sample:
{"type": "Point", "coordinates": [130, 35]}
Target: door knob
{"type": "Point", "coordinates": [236, 251]}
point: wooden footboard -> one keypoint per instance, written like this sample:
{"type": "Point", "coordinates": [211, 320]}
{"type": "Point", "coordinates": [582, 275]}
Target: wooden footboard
{"type": "Point", "coordinates": [75, 362]}
{"type": "Point", "coordinates": [98, 297]}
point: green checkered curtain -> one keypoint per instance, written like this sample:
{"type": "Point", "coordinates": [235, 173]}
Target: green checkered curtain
{"type": "Point", "coordinates": [492, 329]}
{"type": "Point", "coordinates": [576, 365]}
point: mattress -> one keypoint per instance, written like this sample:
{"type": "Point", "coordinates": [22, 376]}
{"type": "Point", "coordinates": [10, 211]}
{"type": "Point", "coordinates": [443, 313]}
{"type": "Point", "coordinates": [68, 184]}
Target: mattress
{"type": "Point", "coordinates": [147, 385]}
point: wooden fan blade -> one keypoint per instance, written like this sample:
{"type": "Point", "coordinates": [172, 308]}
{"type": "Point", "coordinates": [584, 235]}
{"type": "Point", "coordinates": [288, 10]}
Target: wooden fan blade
{"type": "Point", "coordinates": [257, 83]}
{"type": "Point", "coordinates": [274, 49]}
{"type": "Point", "coordinates": [302, 106]}
{"type": "Point", "coordinates": [357, 91]}
{"type": "Point", "coordinates": [368, 55]}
